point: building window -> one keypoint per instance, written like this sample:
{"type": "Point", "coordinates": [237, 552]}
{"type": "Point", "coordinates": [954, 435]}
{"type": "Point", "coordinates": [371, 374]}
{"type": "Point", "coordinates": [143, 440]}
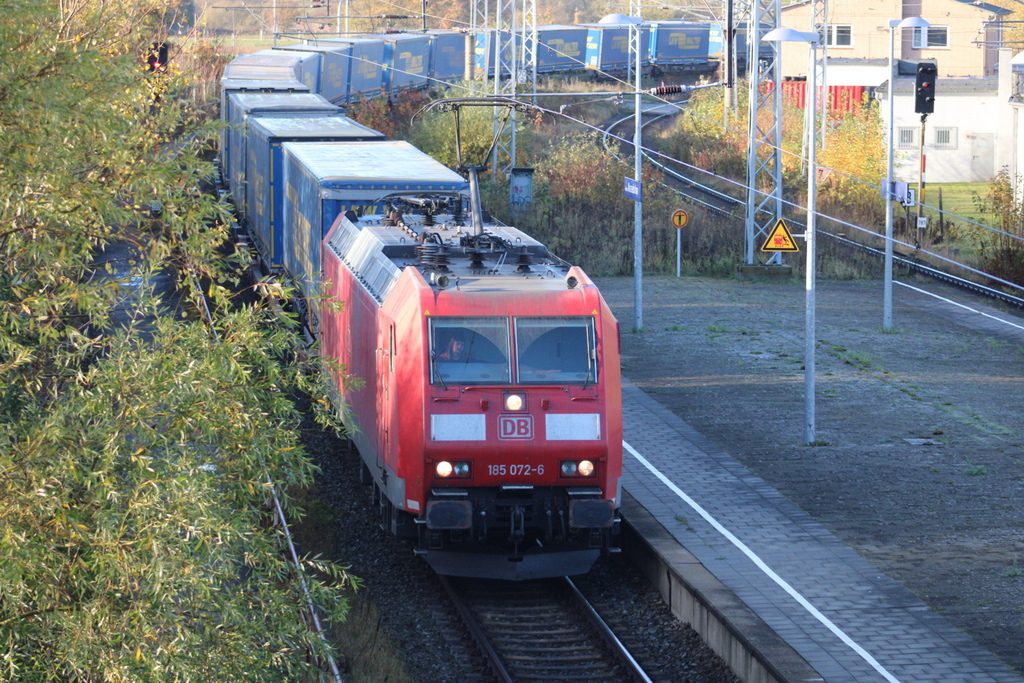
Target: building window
{"type": "Point", "coordinates": [906, 138]}
{"type": "Point", "coordinates": [945, 138]}
{"type": "Point", "coordinates": [839, 35]}
{"type": "Point", "coordinates": [931, 36]}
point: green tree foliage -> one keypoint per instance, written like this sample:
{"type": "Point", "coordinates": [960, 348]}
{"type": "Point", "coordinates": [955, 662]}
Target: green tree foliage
{"type": "Point", "coordinates": [855, 149]}
{"type": "Point", "coordinates": [133, 456]}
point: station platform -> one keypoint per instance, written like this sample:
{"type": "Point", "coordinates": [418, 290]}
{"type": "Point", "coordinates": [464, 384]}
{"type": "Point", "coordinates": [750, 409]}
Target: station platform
{"type": "Point", "coordinates": [843, 617]}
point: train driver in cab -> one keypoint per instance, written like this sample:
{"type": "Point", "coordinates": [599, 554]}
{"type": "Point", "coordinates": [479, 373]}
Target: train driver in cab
{"type": "Point", "coordinates": [456, 350]}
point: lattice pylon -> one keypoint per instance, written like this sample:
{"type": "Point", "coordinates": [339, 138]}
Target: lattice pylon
{"type": "Point", "coordinates": [819, 25]}
{"type": "Point", "coordinates": [479, 19]}
{"type": "Point", "coordinates": [764, 130]}
{"type": "Point", "coordinates": [635, 34]}
{"type": "Point", "coordinates": [505, 64]}
{"type": "Point", "coordinates": [528, 70]}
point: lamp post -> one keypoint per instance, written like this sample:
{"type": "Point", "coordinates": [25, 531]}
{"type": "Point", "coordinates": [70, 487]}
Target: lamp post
{"type": "Point", "coordinates": [636, 26]}
{"type": "Point", "coordinates": [638, 159]}
{"type": "Point", "coordinates": [909, 22]}
{"type": "Point", "coordinates": [781, 35]}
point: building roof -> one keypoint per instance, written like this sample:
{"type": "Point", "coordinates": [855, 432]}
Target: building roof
{"type": "Point", "coordinates": [944, 86]}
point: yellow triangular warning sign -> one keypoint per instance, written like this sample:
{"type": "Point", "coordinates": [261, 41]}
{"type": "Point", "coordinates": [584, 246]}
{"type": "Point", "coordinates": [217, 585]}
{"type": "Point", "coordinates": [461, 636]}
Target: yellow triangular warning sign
{"type": "Point", "coordinates": [780, 239]}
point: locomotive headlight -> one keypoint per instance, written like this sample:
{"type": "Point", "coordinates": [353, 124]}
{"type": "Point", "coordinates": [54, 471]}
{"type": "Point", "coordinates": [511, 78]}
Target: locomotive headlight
{"type": "Point", "coordinates": [583, 468]}
{"type": "Point", "coordinates": [515, 402]}
{"type": "Point", "coordinates": [446, 469]}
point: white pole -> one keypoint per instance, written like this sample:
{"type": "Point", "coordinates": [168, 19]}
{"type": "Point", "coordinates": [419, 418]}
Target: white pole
{"type": "Point", "coordinates": [679, 252]}
{"type": "Point", "coordinates": [812, 209]}
{"type": "Point", "coordinates": [638, 239]}
{"type": "Point", "coordinates": [887, 190]}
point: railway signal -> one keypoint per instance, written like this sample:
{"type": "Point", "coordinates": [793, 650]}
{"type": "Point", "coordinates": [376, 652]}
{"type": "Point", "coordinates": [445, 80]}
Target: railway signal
{"type": "Point", "coordinates": [924, 90]}
{"type": "Point", "coordinates": [157, 58]}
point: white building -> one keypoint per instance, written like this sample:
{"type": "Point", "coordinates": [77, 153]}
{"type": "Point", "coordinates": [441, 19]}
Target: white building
{"type": "Point", "coordinates": [969, 136]}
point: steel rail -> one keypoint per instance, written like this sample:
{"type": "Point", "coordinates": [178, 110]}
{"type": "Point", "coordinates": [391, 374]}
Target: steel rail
{"type": "Point", "coordinates": [609, 637]}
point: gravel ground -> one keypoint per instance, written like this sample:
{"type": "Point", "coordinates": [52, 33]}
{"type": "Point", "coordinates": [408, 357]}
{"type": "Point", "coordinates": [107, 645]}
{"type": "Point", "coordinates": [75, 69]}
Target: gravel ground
{"type": "Point", "coordinates": [921, 467]}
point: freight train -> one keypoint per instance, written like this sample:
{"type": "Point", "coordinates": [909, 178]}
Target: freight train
{"type": "Point", "coordinates": [348, 69]}
{"type": "Point", "coordinates": [489, 420]}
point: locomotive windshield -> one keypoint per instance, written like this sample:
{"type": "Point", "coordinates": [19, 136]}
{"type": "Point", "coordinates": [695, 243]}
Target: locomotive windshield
{"type": "Point", "coordinates": [469, 350]}
{"type": "Point", "coordinates": [548, 350]}
{"type": "Point", "coordinates": [555, 350]}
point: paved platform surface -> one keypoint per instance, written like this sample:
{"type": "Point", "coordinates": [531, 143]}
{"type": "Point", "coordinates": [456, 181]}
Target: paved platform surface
{"type": "Point", "coordinates": [844, 616]}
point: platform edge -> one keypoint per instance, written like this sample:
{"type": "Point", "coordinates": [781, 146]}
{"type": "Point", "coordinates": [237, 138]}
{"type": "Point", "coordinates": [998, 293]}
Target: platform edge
{"type": "Point", "coordinates": [754, 652]}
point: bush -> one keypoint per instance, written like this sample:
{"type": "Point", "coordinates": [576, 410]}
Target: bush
{"type": "Point", "coordinates": [1002, 250]}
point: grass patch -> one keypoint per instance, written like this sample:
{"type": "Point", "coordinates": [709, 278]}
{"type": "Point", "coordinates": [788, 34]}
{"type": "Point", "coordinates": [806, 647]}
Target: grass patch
{"type": "Point", "coordinates": [957, 198]}
{"type": "Point", "coordinates": [856, 358]}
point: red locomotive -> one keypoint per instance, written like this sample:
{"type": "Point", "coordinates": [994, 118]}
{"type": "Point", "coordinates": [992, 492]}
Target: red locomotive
{"type": "Point", "coordinates": [490, 417]}
{"type": "Point", "coordinates": [490, 421]}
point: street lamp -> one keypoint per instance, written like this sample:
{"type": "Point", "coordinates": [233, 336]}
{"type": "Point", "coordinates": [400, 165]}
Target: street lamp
{"type": "Point", "coordinates": [909, 22]}
{"type": "Point", "coordinates": [780, 35]}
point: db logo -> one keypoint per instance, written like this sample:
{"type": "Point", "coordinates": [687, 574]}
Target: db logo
{"type": "Point", "coordinates": [515, 427]}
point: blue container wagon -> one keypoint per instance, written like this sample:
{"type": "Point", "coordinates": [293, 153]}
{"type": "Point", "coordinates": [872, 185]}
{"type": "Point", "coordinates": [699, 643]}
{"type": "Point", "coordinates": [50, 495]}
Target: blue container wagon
{"type": "Point", "coordinates": [366, 66]}
{"type": "Point", "coordinates": [483, 53]}
{"type": "Point", "coordinates": [325, 179]}
{"type": "Point", "coordinates": [334, 68]}
{"type": "Point", "coordinates": [244, 106]}
{"type": "Point", "coordinates": [675, 43]}
{"type": "Point", "coordinates": [608, 47]}
{"type": "Point", "coordinates": [233, 86]}
{"type": "Point", "coordinates": [265, 186]}
{"type": "Point", "coordinates": [406, 60]}
{"type": "Point", "coordinates": [448, 55]}
{"type": "Point", "coordinates": [561, 48]}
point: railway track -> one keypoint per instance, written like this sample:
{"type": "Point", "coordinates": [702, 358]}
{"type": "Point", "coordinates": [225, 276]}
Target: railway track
{"type": "Point", "coordinates": [541, 631]}
{"type": "Point", "coordinates": [691, 190]}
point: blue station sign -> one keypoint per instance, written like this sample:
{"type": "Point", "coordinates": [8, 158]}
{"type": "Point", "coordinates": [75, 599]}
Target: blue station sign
{"type": "Point", "coordinates": [634, 190]}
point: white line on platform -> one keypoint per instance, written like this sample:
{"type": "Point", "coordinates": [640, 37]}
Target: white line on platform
{"type": "Point", "coordinates": [864, 654]}
{"type": "Point", "coordinates": [956, 303]}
